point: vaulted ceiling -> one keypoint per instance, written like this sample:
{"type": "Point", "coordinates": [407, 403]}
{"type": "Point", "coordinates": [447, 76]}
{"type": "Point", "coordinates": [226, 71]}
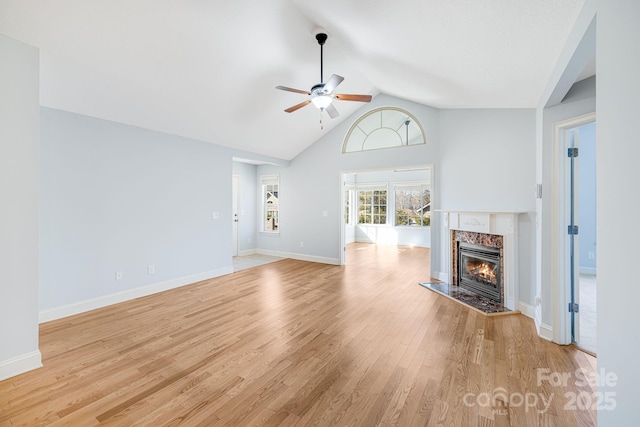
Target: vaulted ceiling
{"type": "Point", "coordinates": [208, 69]}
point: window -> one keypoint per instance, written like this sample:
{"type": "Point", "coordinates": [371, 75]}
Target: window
{"type": "Point", "coordinates": [349, 195]}
{"type": "Point", "coordinates": [372, 205]}
{"type": "Point", "coordinates": [413, 205]}
{"type": "Point", "coordinates": [385, 127]}
{"type": "Point", "coordinates": [270, 190]}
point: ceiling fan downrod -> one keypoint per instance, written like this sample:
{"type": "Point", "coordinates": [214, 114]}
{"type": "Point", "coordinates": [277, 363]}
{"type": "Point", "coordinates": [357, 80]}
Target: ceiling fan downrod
{"type": "Point", "coordinates": [322, 38]}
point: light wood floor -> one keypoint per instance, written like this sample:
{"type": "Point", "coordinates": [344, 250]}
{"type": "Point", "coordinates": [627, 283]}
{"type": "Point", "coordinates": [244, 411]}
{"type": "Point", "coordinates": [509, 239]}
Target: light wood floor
{"type": "Point", "coordinates": [299, 343]}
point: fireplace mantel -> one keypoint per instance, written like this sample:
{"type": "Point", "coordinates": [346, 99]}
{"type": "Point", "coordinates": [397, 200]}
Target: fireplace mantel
{"type": "Point", "coordinates": [504, 224]}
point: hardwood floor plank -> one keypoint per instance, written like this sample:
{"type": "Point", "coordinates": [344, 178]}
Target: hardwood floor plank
{"type": "Point", "coordinates": [296, 343]}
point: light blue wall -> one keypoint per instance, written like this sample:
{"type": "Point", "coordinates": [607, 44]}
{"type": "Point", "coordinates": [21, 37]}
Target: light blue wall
{"type": "Point", "coordinates": [487, 163]}
{"type": "Point", "coordinates": [587, 198]}
{"type": "Point", "coordinates": [618, 152]}
{"type": "Point", "coordinates": [19, 103]}
{"type": "Point", "coordinates": [119, 198]}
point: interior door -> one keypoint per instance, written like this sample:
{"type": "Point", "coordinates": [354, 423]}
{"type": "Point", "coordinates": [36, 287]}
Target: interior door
{"type": "Point", "coordinates": [234, 201]}
{"type": "Point", "coordinates": [573, 230]}
{"type": "Point", "coordinates": [582, 235]}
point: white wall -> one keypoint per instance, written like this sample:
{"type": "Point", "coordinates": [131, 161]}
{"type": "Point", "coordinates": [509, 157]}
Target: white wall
{"type": "Point", "coordinates": [487, 163]}
{"type": "Point", "coordinates": [618, 151]}
{"type": "Point", "coordinates": [119, 198]}
{"type": "Point", "coordinates": [19, 101]}
{"type": "Point", "coordinates": [311, 183]}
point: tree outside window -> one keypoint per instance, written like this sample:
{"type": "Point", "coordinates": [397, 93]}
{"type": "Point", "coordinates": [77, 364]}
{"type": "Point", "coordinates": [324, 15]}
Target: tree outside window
{"type": "Point", "coordinates": [413, 206]}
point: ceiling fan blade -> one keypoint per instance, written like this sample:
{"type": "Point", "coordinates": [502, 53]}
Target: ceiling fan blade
{"type": "Point", "coordinates": [298, 106]}
{"type": "Point", "coordinates": [331, 111]}
{"type": "Point", "coordinates": [288, 89]}
{"type": "Point", "coordinates": [359, 98]}
{"type": "Point", "coordinates": [333, 82]}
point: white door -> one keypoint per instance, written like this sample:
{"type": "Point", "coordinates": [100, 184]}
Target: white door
{"type": "Point", "coordinates": [234, 201]}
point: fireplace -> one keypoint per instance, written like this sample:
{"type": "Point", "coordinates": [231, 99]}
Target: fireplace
{"type": "Point", "coordinates": [497, 230]}
{"type": "Point", "coordinates": [479, 270]}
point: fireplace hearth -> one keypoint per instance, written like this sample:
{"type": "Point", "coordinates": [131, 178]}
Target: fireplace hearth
{"type": "Point", "coordinates": [497, 230]}
{"type": "Point", "coordinates": [479, 270]}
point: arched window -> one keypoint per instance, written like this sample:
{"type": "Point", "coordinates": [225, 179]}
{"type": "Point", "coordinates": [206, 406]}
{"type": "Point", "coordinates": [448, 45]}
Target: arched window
{"type": "Point", "coordinates": [384, 127]}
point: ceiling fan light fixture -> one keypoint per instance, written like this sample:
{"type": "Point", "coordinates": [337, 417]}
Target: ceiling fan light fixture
{"type": "Point", "coordinates": [321, 101]}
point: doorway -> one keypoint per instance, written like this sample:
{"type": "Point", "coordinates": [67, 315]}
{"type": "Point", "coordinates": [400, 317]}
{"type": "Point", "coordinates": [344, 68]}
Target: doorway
{"type": "Point", "coordinates": [576, 202]}
{"type": "Point", "coordinates": [386, 207]}
{"type": "Point", "coordinates": [235, 179]}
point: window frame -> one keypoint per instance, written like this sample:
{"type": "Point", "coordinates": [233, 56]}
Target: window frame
{"type": "Point", "coordinates": [265, 181]}
{"type": "Point", "coordinates": [366, 132]}
{"type": "Point", "coordinates": [350, 205]}
{"type": "Point", "coordinates": [372, 188]}
{"type": "Point", "coordinates": [408, 186]}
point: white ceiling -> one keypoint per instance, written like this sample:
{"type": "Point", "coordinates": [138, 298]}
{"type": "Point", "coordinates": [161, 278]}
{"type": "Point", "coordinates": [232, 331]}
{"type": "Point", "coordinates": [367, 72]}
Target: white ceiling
{"type": "Point", "coordinates": [208, 69]}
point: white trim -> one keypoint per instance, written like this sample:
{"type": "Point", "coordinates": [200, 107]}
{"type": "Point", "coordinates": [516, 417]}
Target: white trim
{"type": "Point", "coordinates": [247, 252]}
{"type": "Point", "coordinates": [301, 257]}
{"type": "Point", "coordinates": [21, 364]}
{"type": "Point", "coordinates": [560, 292]}
{"type": "Point", "coordinates": [501, 223]}
{"type": "Point", "coordinates": [106, 300]}
{"type": "Point", "coordinates": [588, 271]}
{"type": "Point", "coordinates": [545, 331]}
{"type": "Point", "coordinates": [527, 310]}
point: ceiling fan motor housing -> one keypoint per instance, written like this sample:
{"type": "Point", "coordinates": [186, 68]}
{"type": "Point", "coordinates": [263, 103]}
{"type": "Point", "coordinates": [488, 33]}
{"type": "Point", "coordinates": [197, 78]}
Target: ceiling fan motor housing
{"type": "Point", "coordinates": [319, 89]}
{"type": "Point", "coordinates": [322, 38]}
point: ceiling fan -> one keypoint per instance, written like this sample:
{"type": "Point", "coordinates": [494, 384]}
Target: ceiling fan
{"type": "Point", "coordinates": [322, 94]}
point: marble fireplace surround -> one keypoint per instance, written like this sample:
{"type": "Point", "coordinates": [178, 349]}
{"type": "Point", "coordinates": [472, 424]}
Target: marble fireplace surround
{"type": "Point", "coordinates": [504, 224]}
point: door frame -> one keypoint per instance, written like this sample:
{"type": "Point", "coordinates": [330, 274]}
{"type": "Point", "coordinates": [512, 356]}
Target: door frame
{"type": "Point", "coordinates": [342, 173]}
{"type": "Point", "coordinates": [560, 204]}
{"type": "Point", "coordinates": [235, 209]}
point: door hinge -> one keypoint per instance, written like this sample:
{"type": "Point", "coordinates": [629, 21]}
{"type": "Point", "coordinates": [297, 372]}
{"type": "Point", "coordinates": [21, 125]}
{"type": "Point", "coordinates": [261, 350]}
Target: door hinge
{"type": "Point", "coordinates": [572, 152]}
{"type": "Point", "coordinates": [572, 229]}
{"type": "Point", "coordinates": [574, 307]}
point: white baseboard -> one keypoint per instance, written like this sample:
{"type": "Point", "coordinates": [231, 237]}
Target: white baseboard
{"type": "Point", "coordinates": [588, 271]}
{"type": "Point", "coordinates": [527, 310]}
{"type": "Point", "coordinates": [21, 364]}
{"type": "Point", "coordinates": [301, 257]}
{"type": "Point", "coordinates": [546, 332]}
{"type": "Point", "coordinates": [248, 252]}
{"type": "Point", "coordinates": [103, 301]}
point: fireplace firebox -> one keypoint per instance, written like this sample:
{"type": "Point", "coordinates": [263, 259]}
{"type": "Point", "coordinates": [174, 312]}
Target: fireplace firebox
{"type": "Point", "coordinates": [479, 270]}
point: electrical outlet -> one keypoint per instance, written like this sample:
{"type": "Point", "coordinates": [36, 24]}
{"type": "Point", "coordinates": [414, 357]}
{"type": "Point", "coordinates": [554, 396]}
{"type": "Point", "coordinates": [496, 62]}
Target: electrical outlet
{"type": "Point", "coordinates": [118, 275]}
{"type": "Point", "coordinates": [302, 244]}
{"type": "Point", "coordinates": [215, 215]}
{"type": "Point", "coordinates": [151, 269]}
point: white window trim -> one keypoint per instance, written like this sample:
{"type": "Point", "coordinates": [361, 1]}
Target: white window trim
{"type": "Point", "coordinates": [371, 186]}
